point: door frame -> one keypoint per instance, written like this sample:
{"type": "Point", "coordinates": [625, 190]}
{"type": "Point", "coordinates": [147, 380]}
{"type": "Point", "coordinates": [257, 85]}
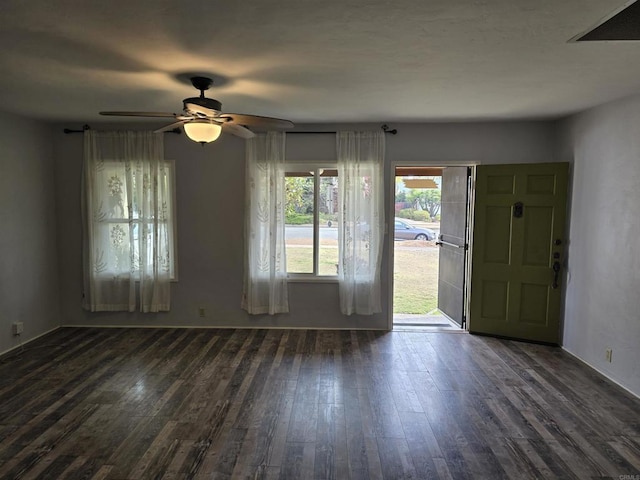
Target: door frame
{"type": "Point", "coordinates": [392, 217]}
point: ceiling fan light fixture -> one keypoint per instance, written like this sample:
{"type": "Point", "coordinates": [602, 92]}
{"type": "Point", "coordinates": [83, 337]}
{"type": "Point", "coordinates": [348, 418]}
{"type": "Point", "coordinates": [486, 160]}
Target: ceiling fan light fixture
{"type": "Point", "coordinates": [202, 131]}
{"type": "Point", "coordinates": [203, 119]}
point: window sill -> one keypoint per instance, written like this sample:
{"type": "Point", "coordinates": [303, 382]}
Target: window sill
{"type": "Point", "coordinates": [312, 279]}
{"type": "Point", "coordinates": [106, 278]}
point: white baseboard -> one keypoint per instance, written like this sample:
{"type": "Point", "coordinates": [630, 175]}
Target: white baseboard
{"type": "Point", "coordinates": [226, 327]}
{"type": "Point", "coordinates": [27, 342]}
{"type": "Point", "coordinates": [577, 357]}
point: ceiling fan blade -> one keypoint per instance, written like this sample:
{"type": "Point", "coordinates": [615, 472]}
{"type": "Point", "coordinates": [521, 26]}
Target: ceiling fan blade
{"type": "Point", "coordinates": [140, 114]}
{"type": "Point", "coordinates": [171, 126]}
{"type": "Point", "coordinates": [237, 130]}
{"type": "Point", "coordinates": [257, 121]}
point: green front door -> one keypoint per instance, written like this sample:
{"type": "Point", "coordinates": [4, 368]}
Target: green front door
{"type": "Point", "coordinates": [518, 244]}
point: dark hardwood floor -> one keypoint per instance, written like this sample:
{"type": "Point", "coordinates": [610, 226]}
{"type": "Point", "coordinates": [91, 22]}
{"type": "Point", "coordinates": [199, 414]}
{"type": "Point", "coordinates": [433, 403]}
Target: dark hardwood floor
{"type": "Point", "coordinates": [294, 404]}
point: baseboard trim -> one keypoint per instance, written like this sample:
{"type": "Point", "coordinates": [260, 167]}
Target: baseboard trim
{"type": "Point", "coordinates": [225, 327]}
{"type": "Point", "coordinates": [577, 357]}
{"type": "Point", "coordinates": [27, 342]}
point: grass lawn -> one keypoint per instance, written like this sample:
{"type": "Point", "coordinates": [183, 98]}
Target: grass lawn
{"type": "Point", "coordinates": [300, 259]}
{"type": "Point", "coordinates": [415, 279]}
{"type": "Point", "coordinates": [415, 272]}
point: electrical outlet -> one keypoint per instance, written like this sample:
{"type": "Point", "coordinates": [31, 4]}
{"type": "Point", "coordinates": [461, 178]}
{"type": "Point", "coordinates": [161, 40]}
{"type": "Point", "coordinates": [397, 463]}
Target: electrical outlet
{"type": "Point", "coordinates": [202, 312]}
{"type": "Point", "coordinates": [608, 354]}
{"type": "Point", "coordinates": [18, 328]}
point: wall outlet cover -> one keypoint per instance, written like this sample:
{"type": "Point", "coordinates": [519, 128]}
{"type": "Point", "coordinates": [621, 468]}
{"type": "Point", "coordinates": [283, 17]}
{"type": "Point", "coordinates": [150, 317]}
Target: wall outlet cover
{"type": "Point", "coordinates": [608, 354]}
{"type": "Point", "coordinates": [17, 328]}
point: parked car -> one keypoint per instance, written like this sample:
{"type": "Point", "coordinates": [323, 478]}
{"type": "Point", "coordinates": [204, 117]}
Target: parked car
{"type": "Point", "coordinates": [406, 231]}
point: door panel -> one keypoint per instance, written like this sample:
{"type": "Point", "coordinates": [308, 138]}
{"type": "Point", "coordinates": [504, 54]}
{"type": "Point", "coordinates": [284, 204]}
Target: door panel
{"type": "Point", "coordinates": [500, 184]}
{"type": "Point", "coordinates": [452, 217]}
{"type": "Point", "coordinates": [514, 250]}
{"type": "Point", "coordinates": [451, 283]}
{"type": "Point", "coordinates": [452, 242]}
{"type": "Point", "coordinates": [533, 303]}
{"type": "Point", "coordinates": [537, 236]}
{"type": "Point", "coordinates": [497, 220]}
{"type": "Point", "coordinates": [495, 295]}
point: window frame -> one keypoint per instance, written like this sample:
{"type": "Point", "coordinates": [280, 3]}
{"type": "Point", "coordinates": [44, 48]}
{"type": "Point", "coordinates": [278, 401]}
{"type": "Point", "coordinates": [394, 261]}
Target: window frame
{"type": "Point", "coordinates": [174, 224]}
{"type": "Point", "coordinates": [315, 167]}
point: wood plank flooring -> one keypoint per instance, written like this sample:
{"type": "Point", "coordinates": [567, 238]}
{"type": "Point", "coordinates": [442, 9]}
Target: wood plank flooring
{"type": "Point", "coordinates": [294, 404]}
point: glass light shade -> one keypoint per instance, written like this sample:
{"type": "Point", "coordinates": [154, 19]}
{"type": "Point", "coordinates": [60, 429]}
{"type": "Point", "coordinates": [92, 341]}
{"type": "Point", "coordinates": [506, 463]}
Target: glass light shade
{"type": "Point", "coordinates": [202, 131]}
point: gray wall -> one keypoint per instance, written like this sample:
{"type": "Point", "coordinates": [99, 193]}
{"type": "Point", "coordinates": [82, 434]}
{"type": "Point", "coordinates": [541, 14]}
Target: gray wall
{"type": "Point", "coordinates": [28, 256]}
{"type": "Point", "coordinates": [603, 258]}
{"type": "Point", "coordinates": [40, 284]}
{"type": "Point", "coordinates": [210, 204]}
{"type": "Point", "coordinates": [602, 304]}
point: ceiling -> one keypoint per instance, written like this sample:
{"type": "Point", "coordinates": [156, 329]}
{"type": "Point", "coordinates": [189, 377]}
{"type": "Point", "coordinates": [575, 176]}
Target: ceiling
{"type": "Point", "coordinates": [312, 61]}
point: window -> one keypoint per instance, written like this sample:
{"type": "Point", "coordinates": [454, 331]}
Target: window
{"type": "Point", "coordinates": [128, 236]}
{"type": "Point", "coordinates": [125, 221]}
{"type": "Point", "coordinates": [311, 221]}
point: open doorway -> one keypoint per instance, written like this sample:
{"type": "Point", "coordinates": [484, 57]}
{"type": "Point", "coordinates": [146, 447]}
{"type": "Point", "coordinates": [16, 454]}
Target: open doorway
{"type": "Point", "coordinates": [431, 208]}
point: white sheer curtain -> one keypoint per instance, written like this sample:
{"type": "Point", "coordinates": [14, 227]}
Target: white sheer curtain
{"type": "Point", "coordinates": [265, 269]}
{"type": "Point", "coordinates": [361, 223]}
{"type": "Point", "coordinates": [128, 234]}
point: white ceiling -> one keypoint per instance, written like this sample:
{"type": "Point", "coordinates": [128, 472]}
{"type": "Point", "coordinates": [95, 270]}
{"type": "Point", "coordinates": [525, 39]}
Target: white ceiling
{"type": "Point", "coordinates": [313, 61]}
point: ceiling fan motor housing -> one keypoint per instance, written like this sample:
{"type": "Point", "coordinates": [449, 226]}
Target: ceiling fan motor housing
{"type": "Point", "coordinates": [202, 106]}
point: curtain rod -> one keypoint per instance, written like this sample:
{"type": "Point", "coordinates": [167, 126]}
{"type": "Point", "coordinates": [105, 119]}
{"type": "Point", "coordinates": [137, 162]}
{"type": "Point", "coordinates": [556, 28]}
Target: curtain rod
{"type": "Point", "coordinates": [87, 127]}
{"type": "Point", "coordinates": [385, 128]}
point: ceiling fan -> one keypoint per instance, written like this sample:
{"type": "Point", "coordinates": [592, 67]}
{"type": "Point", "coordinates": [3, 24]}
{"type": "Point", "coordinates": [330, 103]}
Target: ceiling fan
{"type": "Point", "coordinates": [203, 120]}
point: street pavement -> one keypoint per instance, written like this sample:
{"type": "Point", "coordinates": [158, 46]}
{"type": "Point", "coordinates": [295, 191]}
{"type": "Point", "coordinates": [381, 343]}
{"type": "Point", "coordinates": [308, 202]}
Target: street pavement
{"type": "Point", "coordinates": [331, 233]}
